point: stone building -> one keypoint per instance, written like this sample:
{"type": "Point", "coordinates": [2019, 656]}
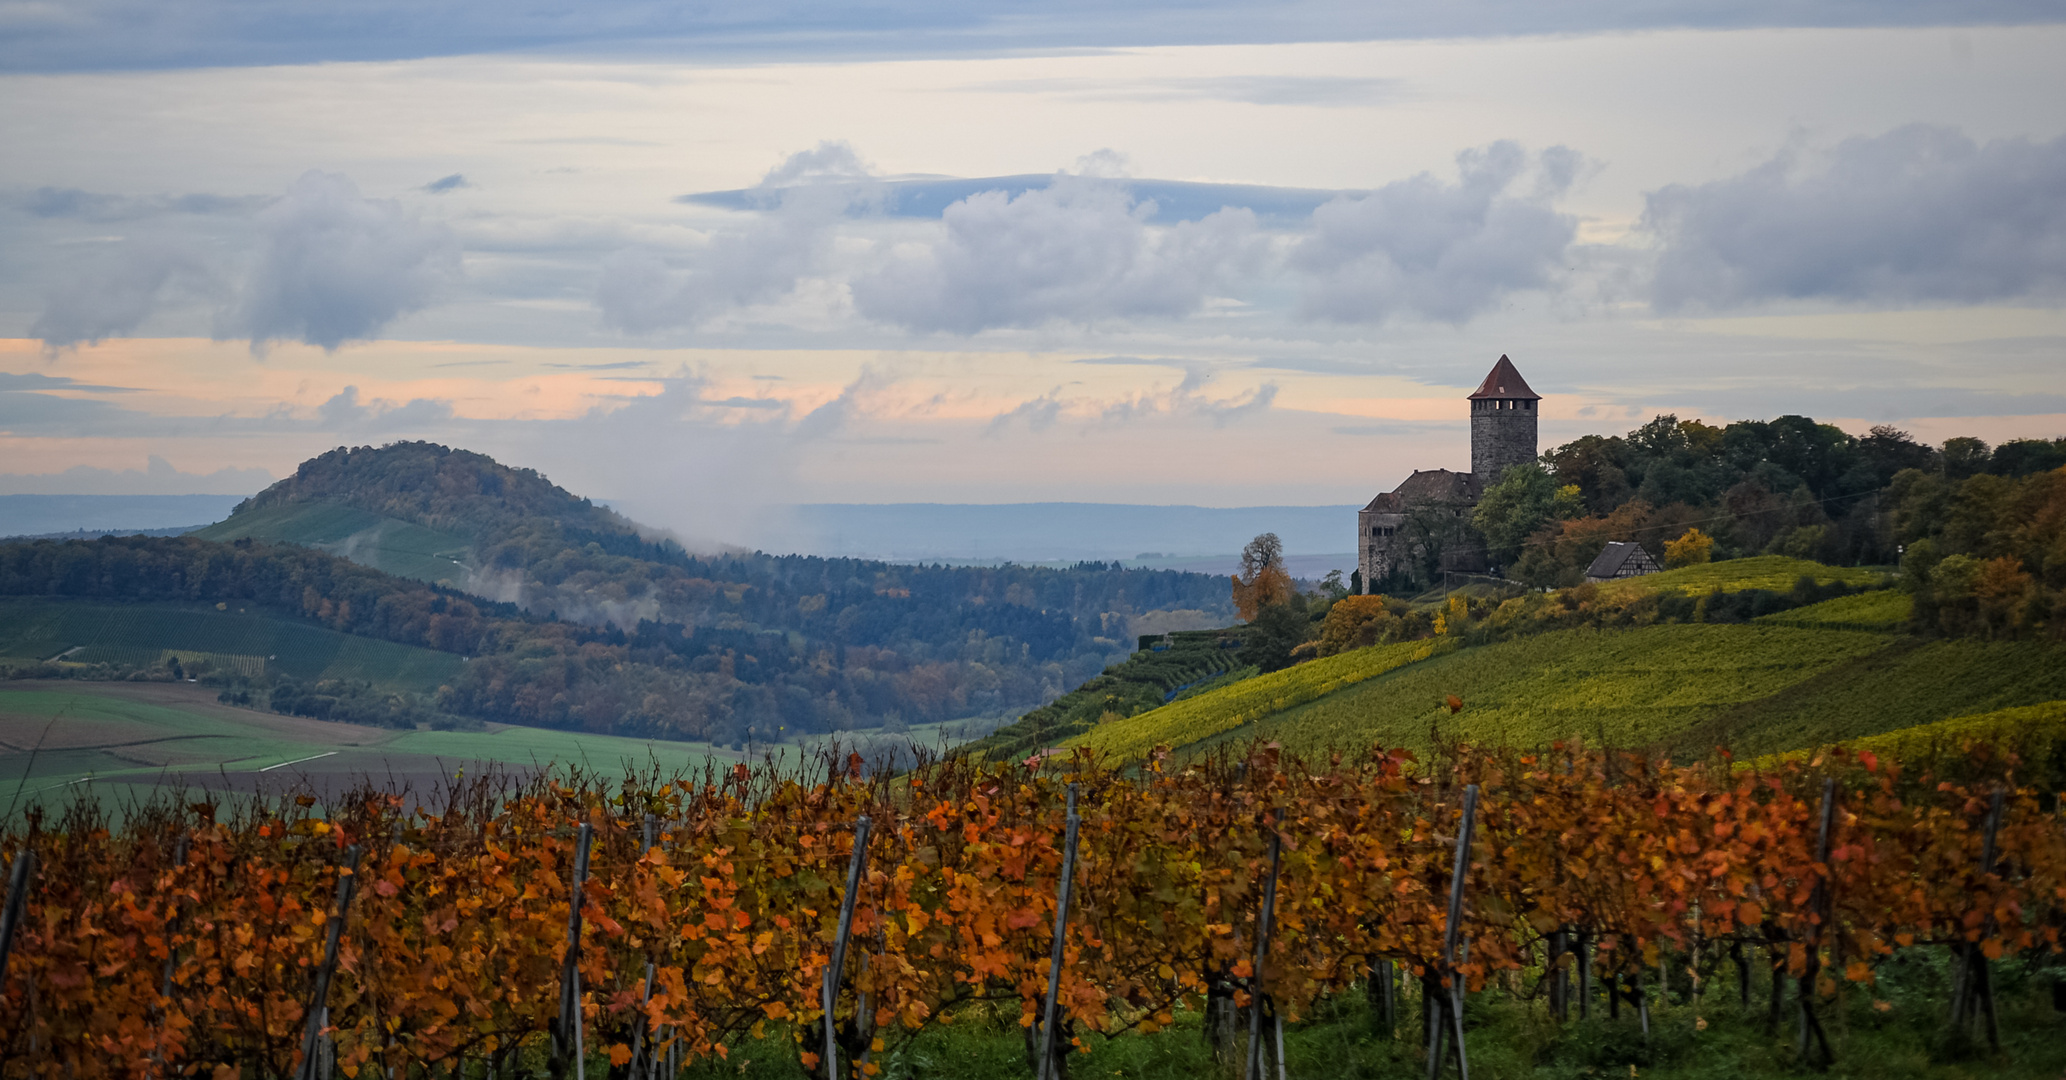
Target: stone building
{"type": "Point", "coordinates": [1427, 516]}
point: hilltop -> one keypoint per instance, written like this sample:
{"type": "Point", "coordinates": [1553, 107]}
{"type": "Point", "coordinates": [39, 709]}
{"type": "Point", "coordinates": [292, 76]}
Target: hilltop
{"type": "Point", "coordinates": [756, 647]}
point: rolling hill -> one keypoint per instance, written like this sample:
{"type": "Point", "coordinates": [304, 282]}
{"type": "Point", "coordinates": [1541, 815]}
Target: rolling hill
{"type": "Point", "coordinates": [1626, 673]}
{"type": "Point", "coordinates": [644, 637]}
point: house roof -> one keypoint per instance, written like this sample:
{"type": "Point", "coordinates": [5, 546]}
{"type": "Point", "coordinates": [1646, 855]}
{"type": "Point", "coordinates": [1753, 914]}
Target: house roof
{"type": "Point", "coordinates": [1427, 485]}
{"type": "Point", "coordinates": [1610, 561]}
{"type": "Point", "coordinates": [1505, 382]}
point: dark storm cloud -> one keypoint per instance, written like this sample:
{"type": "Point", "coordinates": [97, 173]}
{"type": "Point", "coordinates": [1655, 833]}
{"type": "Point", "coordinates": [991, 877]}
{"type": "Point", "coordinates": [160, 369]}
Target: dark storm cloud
{"type": "Point", "coordinates": [131, 34]}
{"type": "Point", "coordinates": [1917, 215]}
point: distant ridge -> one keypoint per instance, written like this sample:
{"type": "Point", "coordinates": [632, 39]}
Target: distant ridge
{"type": "Point", "coordinates": [96, 515]}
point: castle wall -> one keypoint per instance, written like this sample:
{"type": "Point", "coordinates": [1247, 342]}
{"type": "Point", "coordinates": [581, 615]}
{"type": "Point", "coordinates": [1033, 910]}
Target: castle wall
{"type": "Point", "coordinates": [1501, 438]}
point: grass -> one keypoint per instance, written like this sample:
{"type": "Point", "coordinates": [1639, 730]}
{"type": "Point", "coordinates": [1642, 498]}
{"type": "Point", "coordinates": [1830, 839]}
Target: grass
{"type": "Point", "coordinates": [1511, 1039]}
{"type": "Point", "coordinates": [1620, 687]}
{"type": "Point", "coordinates": [239, 637]}
{"type": "Point", "coordinates": [133, 736]}
{"type": "Point", "coordinates": [1773, 573]}
{"type": "Point", "coordinates": [386, 544]}
{"type": "Point", "coordinates": [1189, 720]}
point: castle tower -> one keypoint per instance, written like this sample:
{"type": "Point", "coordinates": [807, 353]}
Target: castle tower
{"type": "Point", "coordinates": [1502, 423]}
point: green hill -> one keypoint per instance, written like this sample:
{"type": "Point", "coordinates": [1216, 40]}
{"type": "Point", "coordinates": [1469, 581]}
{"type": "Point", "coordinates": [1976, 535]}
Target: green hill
{"type": "Point", "coordinates": [757, 647]}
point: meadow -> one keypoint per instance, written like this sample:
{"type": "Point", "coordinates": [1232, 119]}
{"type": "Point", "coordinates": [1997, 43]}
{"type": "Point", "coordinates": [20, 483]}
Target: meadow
{"type": "Point", "coordinates": [242, 638]}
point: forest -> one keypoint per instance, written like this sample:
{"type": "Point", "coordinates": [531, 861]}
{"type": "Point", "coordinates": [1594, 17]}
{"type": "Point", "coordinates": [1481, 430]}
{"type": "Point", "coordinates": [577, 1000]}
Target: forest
{"type": "Point", "coordinates": [881, 645]}
{"type": "Point", "coordinates": [1789, 486]}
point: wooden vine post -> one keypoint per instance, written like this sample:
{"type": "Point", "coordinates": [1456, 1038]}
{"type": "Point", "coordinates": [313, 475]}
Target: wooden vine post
{"type": "Point", "coordinates": [1045, 1070]}
{"type": "Point", "coordinates": [569, 1050]}
{"type": "Point", "coordinates": [1451, 1026]}
{"type": "Point", "coordinates": [1823, 902]}
{"type": "Point", "coordinates": [1256, 1059]}
{"type": "Point", "coordinates": [1972, 988]}
{"type": "Point", "coordinates": [829, 995]}
{"type": "Point", "coordinates": [319, 1000]}
{"type": "Point", "coordinates": [17, 898]}
{"type": "Point", "coordinates": [641, 1048]}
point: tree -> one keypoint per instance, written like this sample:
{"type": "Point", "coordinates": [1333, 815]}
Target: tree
{"type": "Point", "coordinates": [1692, 549]}
{"type": "Point", "coordinates": [1263, 581]}
{"type": "Point", "coordinates": [1524, 500]}
{"type": "Point", "coordinates": [1965, 456]}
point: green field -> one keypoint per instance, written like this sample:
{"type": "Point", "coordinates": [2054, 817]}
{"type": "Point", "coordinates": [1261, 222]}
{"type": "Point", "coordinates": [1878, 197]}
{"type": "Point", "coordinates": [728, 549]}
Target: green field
{"type": "Point", "coordinates": [242, 638]}
{"type": "Point", "coordinates": [130, 737]}
{"type": "Point", "coordinates": [386, 544]}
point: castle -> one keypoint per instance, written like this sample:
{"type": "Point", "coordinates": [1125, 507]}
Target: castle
{"type": "Point", "coordinates": [1423, 519]}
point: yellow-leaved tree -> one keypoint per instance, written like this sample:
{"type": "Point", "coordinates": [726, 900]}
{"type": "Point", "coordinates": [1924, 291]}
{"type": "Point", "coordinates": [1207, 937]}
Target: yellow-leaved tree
{"type": "Point", "coordinates": [1692, 549]}
{"type": "Point", "coordinates": [1263, 581]}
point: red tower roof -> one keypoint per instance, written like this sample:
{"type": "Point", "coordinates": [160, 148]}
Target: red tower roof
{"type": "Point", "coordinates": [1505, 382]}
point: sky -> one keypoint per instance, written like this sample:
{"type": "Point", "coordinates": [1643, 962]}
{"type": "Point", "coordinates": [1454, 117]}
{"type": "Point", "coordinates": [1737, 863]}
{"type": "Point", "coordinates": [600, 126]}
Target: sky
{"type": "Point", "coordinates": [709, 264]}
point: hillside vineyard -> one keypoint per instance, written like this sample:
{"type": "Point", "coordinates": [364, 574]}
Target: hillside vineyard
{"type": "Point", "coordinates": [189, 939]}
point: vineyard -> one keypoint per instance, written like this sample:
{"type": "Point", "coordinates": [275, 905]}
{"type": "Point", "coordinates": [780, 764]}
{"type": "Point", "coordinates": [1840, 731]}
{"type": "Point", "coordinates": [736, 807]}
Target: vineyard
{"type": "Point", "coordinates": [639, 926]}
{"type": "Point", "coordinates": [1771, 573]}
{"type": "Point", "coordinates": [242, 638]}
{"type": "Point", "coordinates": [1193, 719]}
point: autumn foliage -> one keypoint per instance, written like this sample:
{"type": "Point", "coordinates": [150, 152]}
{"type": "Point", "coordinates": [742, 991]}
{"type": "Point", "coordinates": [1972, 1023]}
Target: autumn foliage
{"type": "Point", "coordinates": [131, 962]}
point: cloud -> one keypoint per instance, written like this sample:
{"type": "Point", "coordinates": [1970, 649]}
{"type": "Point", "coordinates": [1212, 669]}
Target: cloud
{"type": "Point", "coordinates": [334, 266]}
{"type": "Point", "coordinates": [117, 294]}
{"type": "Point", "coordinates": [1439, 250]}
{"type": "Point", "coordinates": [157, 477]}
{"type": "Point", "coordinates": [321, 264]}
{"type": "Point", "coordinates": [99, 35]}
{"type": "Point", "coordinates": [344, 411]}
{"type": "Point", "coordinates": [1078, 251]}
{"type": "Point", "coordinates": [644, 290]}
{"type": "Point", "coordinates": [1331, 91]}
{"type": "Point", "coordinates": [1919, 214]}
{"type": "Point", "coordinates": [81, 205]}
{"type": "Point", "coordinates": [447, 183]}
{"type": "Point", "coordinates": [1185, 400]}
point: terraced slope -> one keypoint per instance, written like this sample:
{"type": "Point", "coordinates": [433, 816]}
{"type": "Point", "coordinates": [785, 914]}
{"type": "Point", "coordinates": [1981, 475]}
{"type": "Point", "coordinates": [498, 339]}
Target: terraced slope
{"type": "Point", "coordinates": [245, 639]}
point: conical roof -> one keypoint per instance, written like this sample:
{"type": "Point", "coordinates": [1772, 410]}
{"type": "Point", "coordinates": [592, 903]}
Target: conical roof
{"type": "Point", "coordinates": [1505, 382]}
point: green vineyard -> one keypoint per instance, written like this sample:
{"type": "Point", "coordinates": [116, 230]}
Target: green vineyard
{"type": "Point", "coordinates": [242, 639]}
{"type": "Point", "coordinates": [1190, 720]}
{"type": "Point", "coordinates": [1771, 573]}
{"type": "Point", "coordinates": [401, 548]}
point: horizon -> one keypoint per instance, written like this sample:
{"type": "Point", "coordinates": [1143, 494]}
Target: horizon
{"type": "Point", "coordinates": [1256, 257]}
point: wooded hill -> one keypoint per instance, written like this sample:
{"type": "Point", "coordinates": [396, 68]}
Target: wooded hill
{"type": "Point", "coordinates": [577, 618]}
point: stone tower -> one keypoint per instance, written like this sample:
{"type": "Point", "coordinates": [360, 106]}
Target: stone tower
{"type": "Point", "coordinates": [1502, 423]}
